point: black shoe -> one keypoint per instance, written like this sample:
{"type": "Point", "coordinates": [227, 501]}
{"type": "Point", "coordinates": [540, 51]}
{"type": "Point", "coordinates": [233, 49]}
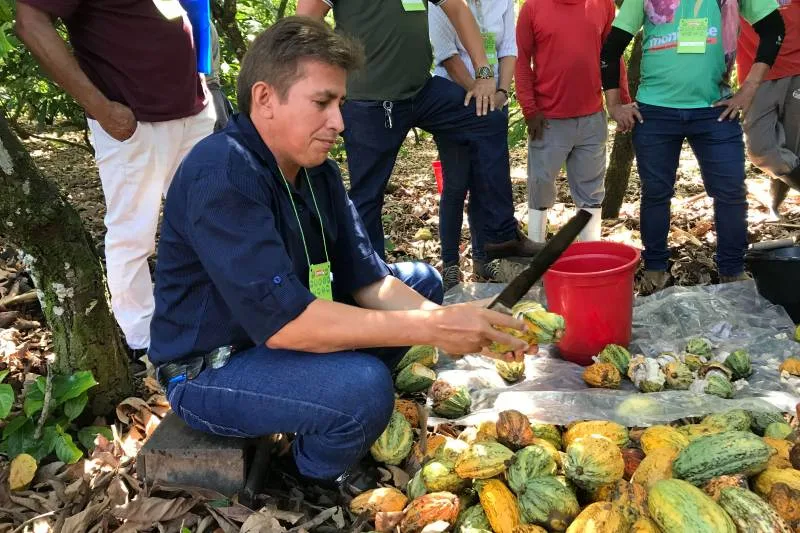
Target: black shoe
{"type": "Point", "coordinates": [358, 478]}
{"type": "Point", "coordinates": [521, 246]}
{"type": "Point", "coordinates": [451, 275]}
{"type": "Point", "coordinates": [777, 193]}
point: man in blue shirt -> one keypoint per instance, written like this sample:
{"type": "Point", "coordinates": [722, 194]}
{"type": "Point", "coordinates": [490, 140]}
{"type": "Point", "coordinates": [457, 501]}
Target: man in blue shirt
{"type": "Point", "coordinates": [250, 335]}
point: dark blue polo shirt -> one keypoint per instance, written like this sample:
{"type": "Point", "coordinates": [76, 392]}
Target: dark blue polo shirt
{"type": "Point", "coordinates": [231, 263]}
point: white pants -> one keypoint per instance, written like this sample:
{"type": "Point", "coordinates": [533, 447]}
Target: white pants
{"type": "Point", "coordinates": [135, 174]}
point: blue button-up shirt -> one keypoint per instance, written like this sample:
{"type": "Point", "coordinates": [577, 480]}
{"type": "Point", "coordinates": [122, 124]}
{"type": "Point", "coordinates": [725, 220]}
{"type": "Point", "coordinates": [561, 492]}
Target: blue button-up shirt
{"type": "Point", "coordinates": [232, 268]}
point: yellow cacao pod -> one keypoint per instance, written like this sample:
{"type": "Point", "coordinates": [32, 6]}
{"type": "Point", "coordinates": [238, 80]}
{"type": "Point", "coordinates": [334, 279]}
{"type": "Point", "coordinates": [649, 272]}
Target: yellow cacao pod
{"type": "Point", "coordinates": [500, 506]}
{"type": "Point", "coordinates": [614, 432]}
{"type": "Point", "coordinates": [644, 525]}
{"type": "Point", "coordinates": [782, 447]}
{"type": "Point", "coordinates": [384, 499]}
{"type": "Point", "coordinates": [656, 437]}
{"type": "Point", "coordinates": [599, 517]}
{"type": "Point", "coordinates": [483, 460]}
{"type": "Point", "coordinates": [602, 375]}
{"type": "Point", "coordinates": [428, 509]}
{"type": "Point", "coordinates": [655, 467]}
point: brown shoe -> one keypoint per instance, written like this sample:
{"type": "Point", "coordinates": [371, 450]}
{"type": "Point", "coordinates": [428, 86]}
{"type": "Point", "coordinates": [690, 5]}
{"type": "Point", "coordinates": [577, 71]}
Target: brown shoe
{"type": "Point", "coordinates": [653, 281]}
{"type": "Point", "coordinates": [521, 246]}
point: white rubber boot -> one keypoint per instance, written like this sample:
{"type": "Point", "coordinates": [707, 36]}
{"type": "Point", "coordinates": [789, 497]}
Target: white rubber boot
{"type": "Point", "coordinates": [592, 230]}
{"type": "Point", "coordinates": [537, 225]}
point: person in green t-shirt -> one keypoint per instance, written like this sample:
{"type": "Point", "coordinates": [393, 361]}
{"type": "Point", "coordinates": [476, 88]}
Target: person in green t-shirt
{"type": "Point", "coordinates": [689, 49]}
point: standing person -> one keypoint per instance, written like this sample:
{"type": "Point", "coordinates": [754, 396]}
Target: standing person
{"type": "Point", "coordinates": [772, 125]}
{"type": "Point", "coordinates": [273, 312]}
{"type": "Point", "coordinates": [559, 89]}
{"type": "Point", "coordinates": [688, 54]}
{"type": "Point", "coordinates": [496, 21]}
{"type": "Point", "coordinates": [222, 105]}
{"type": "Point", "coordinates": [134, 71]}
{"type": "Point", "coordinates": [395, 92]}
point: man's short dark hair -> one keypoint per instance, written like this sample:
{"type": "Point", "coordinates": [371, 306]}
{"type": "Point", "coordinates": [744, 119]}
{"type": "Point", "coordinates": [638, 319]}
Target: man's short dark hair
{"type": "Point", "coordinates": [276, 54]}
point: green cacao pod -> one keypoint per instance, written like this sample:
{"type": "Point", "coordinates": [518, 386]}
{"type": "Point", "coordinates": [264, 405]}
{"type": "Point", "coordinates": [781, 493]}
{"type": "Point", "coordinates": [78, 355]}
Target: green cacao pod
{"type": "Point", "coordinates": [543, 327]}
{"type": "Point", "coordinates": [422, 354]}
{"type": "Point", "coordinates": [548, 502]}
{"type": "Point", "coordinates": [414, 378]}
{"type": "Point", "coordinates": [778, 430]}
{"type": "Point", "coordinates": [700, 346]}
{"type": "Point", "coordinates": [739, 363]}
{"type": "Point", "coordinates": [416, 486]}
{"type": "Point", "coordinates": [750, 513]}
{"type": "Point", "coordinates": [472, 518]}
{"type": "Point", "coordinates": [548, 432]}
{"type": "Point", "coordinates": [483, 460]}
{"type": "Point", "coordinates": [763, 418]}
{"type": "Point", "coordinates": [528, 463]}
{"type": "Point", "coordinates": [733, 420]}
{"type": "Point", "coordinates": [451, 450]}
{"type": "Point", "coordinates": [441, 476]}
{"type": "Point", "coordinates": [726, 453]}
{"type": "Point", "coordinates": [694, 362]}
{"type": "Point", "coordinates": [510, 371]}
{"type": "Point", "coordinates": [449, 401]}
{"type": "Point", "coordinates": [678, 375]}
{"type": "Point", "coordinates": [679, 507]}
{"type": "Point", "coordinates": [718, 385]}
{"type": "Point", "coordinates": [617, 356]}
{"type": "Point", "coordinates": [593, 462]}
{"type": "Point", "coordinates": [395, 442]}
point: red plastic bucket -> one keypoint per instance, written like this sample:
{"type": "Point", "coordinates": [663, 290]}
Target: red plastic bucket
{"type": "Point", "coordinates": [437, 173]}
{"type": "Point", "coordinates": [591, 286]}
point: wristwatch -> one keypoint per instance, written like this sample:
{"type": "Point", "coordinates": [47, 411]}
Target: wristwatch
{"type": "Point", "coordinates": [485, 73]}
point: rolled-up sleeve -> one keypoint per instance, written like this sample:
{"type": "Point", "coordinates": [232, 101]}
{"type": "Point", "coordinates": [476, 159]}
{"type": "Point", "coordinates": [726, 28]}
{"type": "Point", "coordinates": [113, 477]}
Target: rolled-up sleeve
{"type": "Point", "coordinates": [443, 36]}
{"type": "Point", "coordinates": [239, 245]}
{"type": "Point", "coordinates": [355, 263]}
{"type": "Point", "coordinates": [508, 46]}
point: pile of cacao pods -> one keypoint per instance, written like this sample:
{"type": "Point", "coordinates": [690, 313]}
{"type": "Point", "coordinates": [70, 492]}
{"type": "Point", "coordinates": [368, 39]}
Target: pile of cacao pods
{"type": "Point", "coordinates": [698, 369]}
{"type": "Point", "coordinates": [735, 471]}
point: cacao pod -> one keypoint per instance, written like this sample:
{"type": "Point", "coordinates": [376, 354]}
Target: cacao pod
{"type": "Point", "coordinates": [617, 356]}
{"type": "Point", "coordinates": [630, 499]}
{"type": "Point", "coordinates": [548, 502]}
{"type": "Point", "coordinates": [395, 442]}
{"type": "Point", "coordinates": [449, 401]}
{"type": "Point", "coordinates": [429, 508]}
{"type": "Point", "coordinates": [542, 327]}
{"type": "Point", "coordinates": [644, 525]}
{"type": "Point", "coordinates": [414, 378]}
{"type": "Point", "coordinates": [417, 458]}
{"type": "Point", "coordinates": [733, 420]}
{"type": "Point", "coordinates": [499, 505]}
{"type": "Point", "coordinates": [592, 462]}
{"type": "Point", "coordinates": [451, 450]}
{"type": "Point", "coordinates": [483, 460]}
{"type": "Point", "coordinates": [409, 410]}
{"type": "Point", "coordinates": [778, 430]}
{"type": "Point", "coordinates": [786, 501]}
{"type": "Point", "coordinates": [781, 457]}
{"type": "Point", "coordinates": [384, 499]}
{"type": "Point", "coordinates": [416, 486]}
{"type": "Point", "coordinates": [602, 375]}
{"type": "Point", "coordinates": [473, 517]}
{"type": "Point", "coordinates": [440, 476]}
{"type": "Point", "coordinates": [548, 432]}
{"type": "Point", "coordinates": [694, 362]}
{"type": "Point", "coordinates": [510, 371]}
{"type": "Point", "coordinates": [646, 374]}
{"type": "Point", "coordinates": [715, 485]}
{"type": "Point", "coordinates": [422, 354]}
{"type": "Point", "coordinates": [678, 375]}
{"type": "Point", "coordinates": [700, 346]}
{"type": "Point", "coordinates": [599, 517]}
{"type": "Point", "coordinates": [791, 366]}
{"type": "Point", "coordinates": [764, 417]}
{"type": "Point", "coordinates": [632, 457]}
{"type": "Point", "coordinates": [616, 433]}
{"type": "Point", "coordinates": [514, 429]}
{"type": "Point", "coordinates": [659, 436]}
{"type": "Point", "coordinates": [528, 463]}
{"type": "Point", "coordinates": [739, 364]}
{"type": "Point", "coordinates": [485, 431]}
{"type": "Point", "coordinates": [655, 467]}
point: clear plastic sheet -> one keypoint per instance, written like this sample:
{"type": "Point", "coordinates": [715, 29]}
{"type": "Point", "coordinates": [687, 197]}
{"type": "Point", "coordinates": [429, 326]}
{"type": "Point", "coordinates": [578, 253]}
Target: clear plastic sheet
{"type": "Point", "coordinates": [731, 316]}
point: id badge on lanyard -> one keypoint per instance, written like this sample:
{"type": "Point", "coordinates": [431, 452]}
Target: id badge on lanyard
{"type": "Point", "coordinates": [692, 34]}
{"type": "Point", "coordinates": [413, 5]}
{"type": "Point", "coordinates": [490, 46]}
{"type": "Point", "coordinates": [319, 281]}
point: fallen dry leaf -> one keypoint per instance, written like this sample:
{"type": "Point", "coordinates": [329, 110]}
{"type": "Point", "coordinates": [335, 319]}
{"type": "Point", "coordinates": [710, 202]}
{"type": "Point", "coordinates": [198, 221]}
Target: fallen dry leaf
{"type": "Point", "coordinates": [23, 469]}
{"type": "Point", "coordinates": [81, 522]}
{"type": "Point", "coordinates": [130, 406]}
{"type": "Point", "coordinates": [262, 522]}
{"type": "Point", "coordinates": [152, 509]}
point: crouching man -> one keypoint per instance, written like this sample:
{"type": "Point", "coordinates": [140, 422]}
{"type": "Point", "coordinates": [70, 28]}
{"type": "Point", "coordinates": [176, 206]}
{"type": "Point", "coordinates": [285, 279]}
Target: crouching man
{"type": "Point", "coordinates": [273, 312]}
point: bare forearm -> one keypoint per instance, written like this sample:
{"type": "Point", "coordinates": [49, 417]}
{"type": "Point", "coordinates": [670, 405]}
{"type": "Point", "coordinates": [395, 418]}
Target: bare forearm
{"type": "Point", "coordinates": [507, 66]}
{"type": "Point", "coordinates": [36, 30]}
{"type": "Point", "coordinates": [391, 294]}
{"type": "Point", "coordinates": [458, 72]}
{"type": "Point", "coordinates": [467, 29]}
{"type": "Point", "coordinates": [612, 98]}
{"type": "Point", "coordinates": [757, 73]}
{"type": "Point", "coordinates": [326, 327]}
{"type": "Point", "coordinates": [316, 9]}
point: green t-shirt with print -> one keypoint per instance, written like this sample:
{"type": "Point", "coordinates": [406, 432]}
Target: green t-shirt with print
{"type": "Point", "coordinates": [683, 80]}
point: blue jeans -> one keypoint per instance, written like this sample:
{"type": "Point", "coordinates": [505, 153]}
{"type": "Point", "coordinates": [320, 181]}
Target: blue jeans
{"type": "Point", "coordinates": [372, 142]}
{"type": "Point", "coordinates": [336, 403]}
{"type": "Point", "coordinates": [719, 149]}
{"type": "Point", "coordinates": [458, 179]}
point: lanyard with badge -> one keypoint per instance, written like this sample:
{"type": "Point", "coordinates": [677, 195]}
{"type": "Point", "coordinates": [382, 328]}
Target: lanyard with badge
{"type": "Point", "coordinates": [693, 32]}
{"type": "Point", "coordinates": [489, 38]}
{"type": "Point", "coordinates": [319, 274]}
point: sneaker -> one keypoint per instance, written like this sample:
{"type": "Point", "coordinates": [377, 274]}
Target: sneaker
{"type": "Point", "coordinates": [451, 276]}
{"type": "Point", "coordinates": [744, 276]}
{"type": "Point", "coordinates": [654, 281]}
{"type": "Point", "coordinates": [521, 246]}
{"type": "Point", "coordinates": [483, 270]}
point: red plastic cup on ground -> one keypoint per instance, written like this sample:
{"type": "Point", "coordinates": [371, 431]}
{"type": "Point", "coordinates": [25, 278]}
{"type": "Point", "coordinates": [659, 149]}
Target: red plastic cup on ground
{"type": "Point", "coordinates": [437, 173]}
{"type": "Point", "coordinates": [591, 286]}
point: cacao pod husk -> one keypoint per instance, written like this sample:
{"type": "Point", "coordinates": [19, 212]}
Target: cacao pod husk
{"type": "Point", "coordinates": [395, 442]}
{"type": "Point", "coordinates": [383, 499]}
{"type": "Point", "coordinates": [602, 375]}
{"type": "Point", "coordinates": [429, 508]}
{"type": "Point", "coordinates": [409, 410]}
{"type": "Point", "coordinates": [514, 429]}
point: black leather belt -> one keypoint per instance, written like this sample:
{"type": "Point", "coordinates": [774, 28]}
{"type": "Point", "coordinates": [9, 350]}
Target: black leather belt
{"type": "Point", "coordinates": [190, 367]}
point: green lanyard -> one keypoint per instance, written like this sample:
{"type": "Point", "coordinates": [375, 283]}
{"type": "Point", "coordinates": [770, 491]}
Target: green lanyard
{"type": "Point", "coordinates": [319, 275]}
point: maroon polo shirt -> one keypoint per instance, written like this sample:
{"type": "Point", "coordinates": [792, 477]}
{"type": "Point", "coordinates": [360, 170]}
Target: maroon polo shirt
{"type": "Point", "coordinates": [133, 54]}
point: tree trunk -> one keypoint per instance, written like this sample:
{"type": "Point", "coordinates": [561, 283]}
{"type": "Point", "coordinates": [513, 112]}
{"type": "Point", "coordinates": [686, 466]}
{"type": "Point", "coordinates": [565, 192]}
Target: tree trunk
{"type": "Point", "coordinates": [67, 273]}
{"type": "Point", "coordinates": [619, 166]}
{"type": "Point", "coordinates": [281, 10]}
{"type": "Point", "coordinates": [225, 14]}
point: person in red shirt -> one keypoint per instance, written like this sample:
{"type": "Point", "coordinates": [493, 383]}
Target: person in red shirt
{"type": "Point", "coordinates": [772, 124]}
{"type": "Point", "coordinates": [132, 66]}
{"type": "Point", "coordinates": [559, 89]}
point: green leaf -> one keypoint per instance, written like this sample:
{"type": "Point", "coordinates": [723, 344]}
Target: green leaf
{"type": "Point", "coordinates": [21, 440]}
{"type": "Point", "coordinates": [6, 399]}
{"type": "Point", "coordinates": [3, 375]}
{"type": "Point", "coordinates": [186, 530]}
{"type": "Point", "coordinates": [74, 406]}
{"type": "Point", "coordinates": [46, 444]}
{"type": "Point", "coordinates": [66, 451]}
{"type": "Point", "coordinates": [68, 387]}
{"type": "Point", "coordinates": [87, 435]}
{"type": "Point", "coordinates": [34, 401]}
{"type": "Point", "coordinates": [13, 425]}
{"type": "Point", "coordinates": [41, 384]}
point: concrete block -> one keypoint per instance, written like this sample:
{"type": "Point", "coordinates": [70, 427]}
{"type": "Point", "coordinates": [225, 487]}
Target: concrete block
{"type": "Point", "coordinates": [178, 454]}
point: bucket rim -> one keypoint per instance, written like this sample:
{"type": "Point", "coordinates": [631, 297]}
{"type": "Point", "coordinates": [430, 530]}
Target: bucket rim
{"type": "Point", "coordinates": [628, 265]}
